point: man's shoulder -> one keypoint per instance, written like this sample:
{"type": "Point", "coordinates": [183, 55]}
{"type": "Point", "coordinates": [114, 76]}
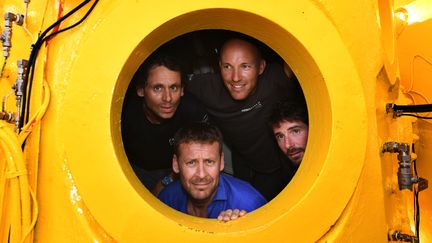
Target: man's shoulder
{"type": "Point", "coordinates": [174, 196]}
{"type": "Point", "coordinates": [172, 193]}
{"type": "Point", "coordinates": [195, 78]}
{"type": "Point", "coordinates": [276, 80]}
{"type": "Point", "coordinates": [202, 84]}
{"type": "Point", "coordinates": [233, 181]}
{"type": "Point", "coordinates": [241, 194]}
{"type": "Point", "coordinates": [191, 109]}
{"type": "Point", "coordinates": [189, 99]}
{"type": "Point", "coordinates": [133, 117]}
{"type": "Point", "coordinates": [274, 72]}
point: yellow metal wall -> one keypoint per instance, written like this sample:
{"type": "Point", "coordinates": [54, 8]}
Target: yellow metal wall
{"type": "Point", "coordinates": [344, 54]}
{"type": "Point", "coordinates": [414, 35]}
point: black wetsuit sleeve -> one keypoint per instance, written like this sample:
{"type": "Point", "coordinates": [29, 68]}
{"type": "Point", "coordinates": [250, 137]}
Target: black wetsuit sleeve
{"type": "Point", "coordinates": [193, 85]}
{"type": "Point", "coordinates": [194, 108]}
{"type": "Point", "coordinates": [290, 86]}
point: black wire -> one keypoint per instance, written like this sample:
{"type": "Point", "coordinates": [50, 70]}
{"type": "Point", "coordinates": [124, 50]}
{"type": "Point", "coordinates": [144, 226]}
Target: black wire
{"type": "Point", "coordinates": [76, 24]}
{"type": "Point", "coordinates": [417, 221]}
{"type": "Point", "coordinates": [416, 200]}
{"type": "Point", "coordinates": [421, 117]}
{"type": "Point", "coordinates": [415, 164]}
{"type": "Point", "coordinates": [412, 108]}
{"type": "Point", "coordinates": [58, 32]}
{"type": "Point", "coordinates": [28, 79]}
{"type": "Point", "coordinates": [42, 38]}
{"type": "Point", "coordinates": [35, 49]}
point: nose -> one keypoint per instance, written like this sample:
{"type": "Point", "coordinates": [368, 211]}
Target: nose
{"type": "Point", "coordinates": [288, 142]}
{"type": "Point", "coordinates": [201, 172]}
{"type": "Point", "coordinates": [235, 76]}
{"type": "Point", "coordinates": [167, 96]}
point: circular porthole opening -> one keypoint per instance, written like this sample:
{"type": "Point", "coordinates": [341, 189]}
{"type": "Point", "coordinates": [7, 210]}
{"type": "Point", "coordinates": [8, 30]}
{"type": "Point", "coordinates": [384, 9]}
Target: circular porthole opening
{"type": "Point", "coordinates": [154, 109]}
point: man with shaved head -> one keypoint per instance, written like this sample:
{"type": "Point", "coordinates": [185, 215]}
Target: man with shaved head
{"type": "Point", "coordinates": [239, 100]}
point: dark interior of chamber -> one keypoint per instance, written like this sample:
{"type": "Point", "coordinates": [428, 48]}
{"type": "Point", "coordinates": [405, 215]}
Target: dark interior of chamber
{"type": "Point", "coordinates": [198, 53]}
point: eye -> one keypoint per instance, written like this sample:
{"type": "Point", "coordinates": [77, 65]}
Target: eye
{"type": "Point", "coordinates": [157, 88]}
{"type": "Point", "coordinates": [279, 136]}
{"type": "Point", "coordinates": [210, 162]}
{"type": "Point", "coordinates": [295, 131]}
{"type": "Point", "coordinates": [246, 66]}
{"type": "Point", "coordinates": [226, 66]}
{"type": "Point", "coordinates": [190, 163]}
{"type": "Point", "coordinates": [175, 88]}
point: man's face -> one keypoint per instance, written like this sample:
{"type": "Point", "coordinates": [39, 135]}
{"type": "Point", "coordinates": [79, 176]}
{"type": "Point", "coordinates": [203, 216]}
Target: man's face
{"type": "Point", "coordinates": [161, 93]}
{"type": "Point", "coordinates": [199, 166]}
{"type": "Point", "coordinates": [240, 67]}
{"type": "Point", "coordinates": [291, 137]}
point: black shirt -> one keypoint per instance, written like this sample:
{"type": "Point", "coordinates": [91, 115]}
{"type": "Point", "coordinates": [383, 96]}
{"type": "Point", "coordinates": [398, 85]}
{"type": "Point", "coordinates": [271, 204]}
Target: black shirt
{"type": "Point", "coordinates": [148, 145]}
{"type": "Point", "coordinates": [244, 123]}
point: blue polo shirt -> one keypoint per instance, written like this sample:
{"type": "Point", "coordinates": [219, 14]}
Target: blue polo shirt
{"type": "Point", "coordinates": [232, 193]}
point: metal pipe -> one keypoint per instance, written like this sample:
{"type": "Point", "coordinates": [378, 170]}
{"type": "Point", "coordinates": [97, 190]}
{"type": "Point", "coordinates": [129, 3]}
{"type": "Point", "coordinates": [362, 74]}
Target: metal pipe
{"type": "Point", "coordinates": [19, 88]}
{"type": "Point", "coordinates": [6, 36]}
{"type": "Point", "coordinates": [406, 178]}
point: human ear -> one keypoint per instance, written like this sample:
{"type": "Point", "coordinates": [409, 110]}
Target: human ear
{"type": "Point", "coordinates": [222, 164]}
{"type": "Point", "coordinates": [175, 165]}
{"type": "Point", "coordinates": [140, 90]}
{"type": "Point", "coordinates": [262, 66]}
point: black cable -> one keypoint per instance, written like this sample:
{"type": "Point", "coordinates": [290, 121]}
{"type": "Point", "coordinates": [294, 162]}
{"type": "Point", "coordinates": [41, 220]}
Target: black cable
{"type": "Point", "coordinates": [42, 38]}
{"type": "Point", "coordinates": [74, 25]}
{"type": "Point", "coordinates": [412, 108]}
{"type": "Point", "coordinates": [61, 20]}
{"type": "Point", "coordinates": [32, 62]}
{"type": "Point", "coordinates": [421, 117]}
{"type": "Point", "coordinates": [46, 38]}
{"type": "Point", "coordinates": [416, 200]}
{"type": "Point", "coordinates": [28, 79]}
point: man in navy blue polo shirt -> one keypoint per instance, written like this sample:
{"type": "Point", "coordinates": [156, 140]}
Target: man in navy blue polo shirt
{"type": "Point", "coordinates": [202, 190]}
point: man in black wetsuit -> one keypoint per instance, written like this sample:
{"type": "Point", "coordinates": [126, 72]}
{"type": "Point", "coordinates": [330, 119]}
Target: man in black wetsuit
{"type": "Point", "coordinates": [240, 100]}
{"type": "Point", "coordinates": [155, 109]}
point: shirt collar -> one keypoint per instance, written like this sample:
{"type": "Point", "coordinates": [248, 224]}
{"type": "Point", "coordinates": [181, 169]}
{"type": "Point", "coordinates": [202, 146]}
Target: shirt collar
{"type": "Point", "coordinates": [221, 193]}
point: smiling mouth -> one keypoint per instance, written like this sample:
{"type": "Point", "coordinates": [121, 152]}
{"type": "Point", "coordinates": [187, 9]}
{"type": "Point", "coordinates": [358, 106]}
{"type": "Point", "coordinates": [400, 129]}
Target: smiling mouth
{"type": "Point", "coordinates": [237, 87]}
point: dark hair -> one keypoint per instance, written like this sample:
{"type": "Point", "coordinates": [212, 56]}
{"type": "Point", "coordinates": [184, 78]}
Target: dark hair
{"type": "Point", "coordinates": [201, 132]}
{"type": "Point", "coordinates": [289, 111]}
{"type": "Point", "coordinates": [157, 59]}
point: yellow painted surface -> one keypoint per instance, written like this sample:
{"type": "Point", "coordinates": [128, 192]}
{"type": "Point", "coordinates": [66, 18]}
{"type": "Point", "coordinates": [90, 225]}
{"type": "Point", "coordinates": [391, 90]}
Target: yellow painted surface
{"type": "Point", "coordinates": [415, 55]}
{"type": "Point", "coordinates": [344, 54]}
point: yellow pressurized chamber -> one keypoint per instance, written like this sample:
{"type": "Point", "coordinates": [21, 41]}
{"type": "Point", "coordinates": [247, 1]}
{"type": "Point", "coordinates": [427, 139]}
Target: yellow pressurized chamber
{"type": "Point", "coordinates": [117, 57]}
{"type": "Point", "coordinates": [344, 56]}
